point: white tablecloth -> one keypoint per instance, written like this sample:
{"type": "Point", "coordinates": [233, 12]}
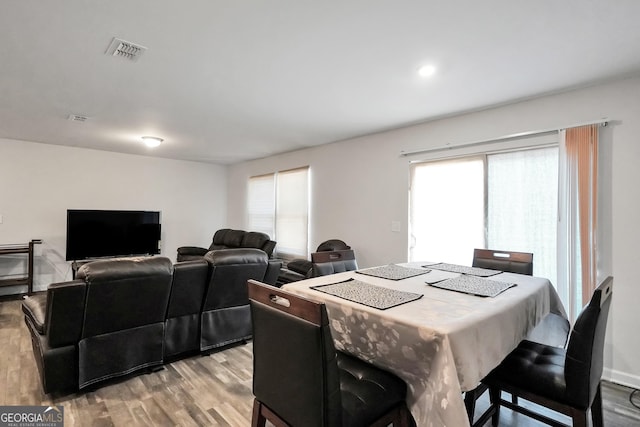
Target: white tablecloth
{"type": "Point", "coordinates": [442, 344]}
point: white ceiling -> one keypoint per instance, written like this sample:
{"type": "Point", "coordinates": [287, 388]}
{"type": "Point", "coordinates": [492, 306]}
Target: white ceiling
{"type": "Point", "coordinates": [226, 81]}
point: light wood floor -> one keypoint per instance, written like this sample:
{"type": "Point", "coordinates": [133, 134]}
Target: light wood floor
{"type": "Point", "coordinates": [213, 390]}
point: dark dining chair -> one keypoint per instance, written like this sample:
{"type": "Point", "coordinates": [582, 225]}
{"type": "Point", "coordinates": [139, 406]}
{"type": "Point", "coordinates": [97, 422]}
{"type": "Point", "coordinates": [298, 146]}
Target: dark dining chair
{"type": "Point", "coordinates": [331, 262]}
{"type": "Point", "coordinates": [300, 268]}
{"type": "Point", "coordinates": [509, 261]}
{"type": "Point", "coordinates": [299, 379]}
{"type": "Point", "coordinates": [552, 330]}
{"type": "Point", "coordinates": [563, 380]}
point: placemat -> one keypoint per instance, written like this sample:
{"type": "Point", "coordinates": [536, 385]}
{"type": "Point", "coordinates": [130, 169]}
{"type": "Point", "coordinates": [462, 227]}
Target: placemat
{"type": "Point", "coordinates": [393, 272]}
{"type": "Point", "coordinates": [367, 294]}
{"type": "Point", "coordinates": [473, 271]}
{"type": "Point", "coordinates": [474, 285]}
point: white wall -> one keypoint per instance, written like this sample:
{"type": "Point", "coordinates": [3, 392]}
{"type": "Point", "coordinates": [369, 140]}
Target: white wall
{"type": "Point", "coordinates": [39, 182]}
{"type": "Point", "coordinates": [359, 186]}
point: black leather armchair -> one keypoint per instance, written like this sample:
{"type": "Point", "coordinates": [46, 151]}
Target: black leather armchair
{"type": "Point", "coordinates": [227, 238]}
{"type": "Point", "coordinates": [226, 318]}
{"type": "Point", "coordinates": [123, 325]}
{"type": "Point", "coordinates": [300, 380]}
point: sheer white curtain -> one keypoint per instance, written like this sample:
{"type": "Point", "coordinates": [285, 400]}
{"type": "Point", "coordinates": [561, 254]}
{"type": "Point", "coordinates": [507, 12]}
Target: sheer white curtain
{"type": "Point", "coordinates": [577, 246]}
{"type": "Point", "coordinates": [522, 205]}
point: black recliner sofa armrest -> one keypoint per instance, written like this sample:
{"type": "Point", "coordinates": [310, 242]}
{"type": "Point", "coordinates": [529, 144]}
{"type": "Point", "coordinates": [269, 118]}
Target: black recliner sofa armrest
{"type": "Point", "coordinates": [273, 270]}
{"type": "Point", "coordinates": [268, 247]}
{"type": "Point", "coordinates": [300, 266]}
{"type": "Point", "coordinates": [58, 313]}
{"type": "Point", "coordinates": [190, 253]}
{"type": "Point", "coordinates": [192, 250]}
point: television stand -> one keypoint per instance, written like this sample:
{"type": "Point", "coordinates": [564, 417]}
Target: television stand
{"type": "Point", "coordinates": [27, 280]}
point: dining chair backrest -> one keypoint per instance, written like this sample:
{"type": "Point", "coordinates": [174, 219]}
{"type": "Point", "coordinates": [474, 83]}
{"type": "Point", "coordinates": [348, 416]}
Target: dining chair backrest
{"type": "Point", "coordinates": [508, 261]}
{"type": "Point", "coordinates": [584, 360]}
{"type": "Point", "coordinates": [332, 245]}
{"type": "Point", "coordinates": [295, 372]}
{"type": "Point", "coordinates": [331, 262]}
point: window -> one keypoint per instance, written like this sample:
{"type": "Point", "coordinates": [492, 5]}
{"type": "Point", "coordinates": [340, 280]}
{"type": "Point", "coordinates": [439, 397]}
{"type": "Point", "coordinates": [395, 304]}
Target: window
{"type": "Point", "coordinates": [278, 205]}
{"type": "Point", "coordinates": [261, 204]}
{"type": "Point", "coordinates": [505, 201]}
{"type": "Point", "coordinates": [447, 210]}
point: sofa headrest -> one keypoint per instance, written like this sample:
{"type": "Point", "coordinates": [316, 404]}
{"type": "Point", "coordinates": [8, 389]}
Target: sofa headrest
{"type": "Point", "coordinates": [121, 268]}
{"type": "Point", "coordinates": [254, 239]}
{"type": "Point", "coordinates": [233, 238]}
{"type": "Point", "coordinates": [218, 237]}
{"type": "Point", "coordinates": [237, 256]}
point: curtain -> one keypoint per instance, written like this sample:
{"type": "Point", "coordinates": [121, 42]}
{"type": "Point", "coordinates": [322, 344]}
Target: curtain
{"type": "Point", "coordinates": [522, 205]}
{"type": "Point", "coordinates": [578, 217]}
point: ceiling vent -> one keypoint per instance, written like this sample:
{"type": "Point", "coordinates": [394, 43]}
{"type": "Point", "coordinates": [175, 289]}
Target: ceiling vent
{"type": "Point", "coordinates": [77, 118]}
{"type": "Point", "coordinates": [125, 49]}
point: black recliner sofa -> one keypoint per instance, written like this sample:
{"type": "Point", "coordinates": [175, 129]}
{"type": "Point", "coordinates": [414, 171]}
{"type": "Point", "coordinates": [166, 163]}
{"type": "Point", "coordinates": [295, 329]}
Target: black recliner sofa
{"type": "Point", "coordinates": [206, 305]}
{"type": "Point", "coordinates": [227, 238]}
{"type": "Point", "coordinates": [123, 316]}
{"type": "Point", "coordinates": [108, 322]}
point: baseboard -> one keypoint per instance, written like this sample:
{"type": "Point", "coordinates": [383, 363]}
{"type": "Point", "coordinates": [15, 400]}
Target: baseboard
{"type": "Point", "coordinates": [621, 378]}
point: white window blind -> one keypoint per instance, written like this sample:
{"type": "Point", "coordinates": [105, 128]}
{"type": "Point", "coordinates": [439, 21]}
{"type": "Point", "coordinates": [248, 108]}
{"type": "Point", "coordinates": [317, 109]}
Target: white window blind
{"type": "Point", "coordinates": [262, 204]}
{"type": "Point", "coordinates": [278, 204]}
{"type": "Point", "coordinates": [292, 212]}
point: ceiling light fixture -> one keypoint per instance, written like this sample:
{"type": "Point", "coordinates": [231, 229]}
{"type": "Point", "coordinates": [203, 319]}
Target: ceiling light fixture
{"type": "Point", "coordinates": [152, 141]}
{"type": "Point", "coordinates": [426, 71]}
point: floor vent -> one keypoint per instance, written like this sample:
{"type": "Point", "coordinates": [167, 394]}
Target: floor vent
{"type": "Point", "coordinates": [125, 49]}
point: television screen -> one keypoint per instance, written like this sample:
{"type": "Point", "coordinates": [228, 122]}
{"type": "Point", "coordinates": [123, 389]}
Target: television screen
{"type": "Point", "coordinates": [106, 233]}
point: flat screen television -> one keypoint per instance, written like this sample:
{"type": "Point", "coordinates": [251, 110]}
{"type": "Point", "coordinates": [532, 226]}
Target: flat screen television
{"type": "Point", "coordinates": [110, 233]}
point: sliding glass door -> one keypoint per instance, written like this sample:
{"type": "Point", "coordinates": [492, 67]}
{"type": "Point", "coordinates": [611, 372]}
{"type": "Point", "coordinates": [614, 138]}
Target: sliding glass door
{"type": "Point", "coordinates": [505, 201]}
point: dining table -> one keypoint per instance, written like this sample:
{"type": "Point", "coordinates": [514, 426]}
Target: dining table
{"type": "Point", "coordinates": [440, 327]}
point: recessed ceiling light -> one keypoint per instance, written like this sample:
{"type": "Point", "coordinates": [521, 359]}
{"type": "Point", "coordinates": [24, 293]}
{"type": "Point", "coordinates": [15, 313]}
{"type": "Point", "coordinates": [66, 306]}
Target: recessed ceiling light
{"type": "Point", "coordinates": [152, 141]}
{"type": "Point", "coordinates": [426, 71]}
